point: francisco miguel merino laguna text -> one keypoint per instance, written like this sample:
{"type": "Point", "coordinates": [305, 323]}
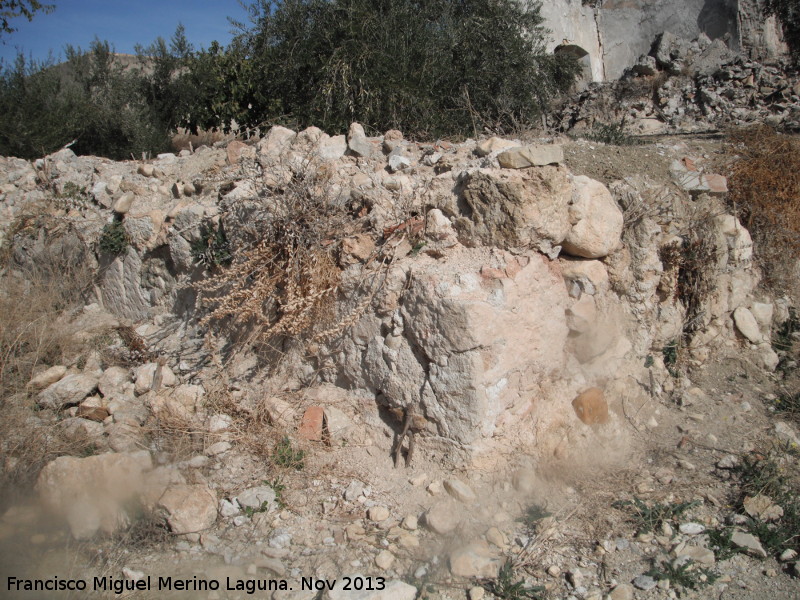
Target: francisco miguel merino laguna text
{"type": "Point", "coordinates": [166, 584]}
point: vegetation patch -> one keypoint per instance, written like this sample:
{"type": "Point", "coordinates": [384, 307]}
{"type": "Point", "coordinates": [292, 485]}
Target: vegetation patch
{"type": "Point", "coordinates": [113, 239]}
{"type": "Point", "coordinates": [430, 68]}
{"type": "Point", "coordinates": [764, 184]}
{"type": "Point", "coordinates": [670, 354]}
{"type": "Point", "coordinates": [533, 515]}
{"type": "Point", "coordinates": [212, 249]}
{"type": "Point", "coordinates": [719, 540]}
{"type": "Point", "coordinates": [650, 517]}
{"type": "Point", "coordinates": [685, 574]}
{"type": "Point", "coordinates": [286, 456]}
{"type": "Point", "coordinates": [775, 477]}
{"type": "Point", "coordinates": [508, 587]}
{"type": "Point", "coordinates": [612, 134]}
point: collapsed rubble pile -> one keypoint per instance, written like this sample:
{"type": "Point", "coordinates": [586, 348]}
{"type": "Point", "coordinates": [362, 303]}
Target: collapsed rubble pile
{"type": "Point", "coordinates": [520, 311]}
{"type": "Point", "coordinates": [684, 86]}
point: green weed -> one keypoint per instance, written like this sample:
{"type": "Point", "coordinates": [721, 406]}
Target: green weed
{"type": "Point", "coordinates": [649, 518]}
{"type": "Point", "coordinates": [670, 354]}
{"type": "Point", "coordinates": [788, 404]}
{"type": "Point", "coordinates": [765, 475]}
{"type": "Point", "coordinates": [610, 133]}
{"type": "Point", "coordinates": [686, 575]}
{"type": "Point", "coordinates": [719, 540]}
{"type": "Point", "coordinates": [284, 455]}
{"type": "Point", "coordinates": [113, 239]}
{"type": "Point", "coordinates": [533, 515]}
{"type": "Point", "coordinates": [212, 249]}
{"type": "Point", "coordinates": [782, 337]}
{"type": "Point", "coordinates": [250, 511]}
{"type": "Point", "coordinates": [508, 587]}
{"type": "Point", "coordinates": [278, 487]}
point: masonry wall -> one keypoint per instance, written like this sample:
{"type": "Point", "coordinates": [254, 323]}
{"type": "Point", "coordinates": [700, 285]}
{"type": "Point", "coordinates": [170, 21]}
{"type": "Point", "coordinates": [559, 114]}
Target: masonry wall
{"type": "Point", "coordinates": [615, 33]}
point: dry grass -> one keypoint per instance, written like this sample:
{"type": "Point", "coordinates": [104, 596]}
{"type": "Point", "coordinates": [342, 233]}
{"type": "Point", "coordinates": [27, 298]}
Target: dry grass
{"type": "Point", "coordinates": [175, 434]}
{"type": "Point", "coordinates": [764, 183]}
{"type": "Point", "coordinates": [186, 140]}
{"type": "Point", "coordinates": [182, 436]}
{"type": "Point", "coordinates": [253, 429]}
{"type": "Point", "coordinates": [698, 268]}
{"type": "Point", "coordinates": [38, 289]}
{"type": "Point", "coordinates": [285, 283]}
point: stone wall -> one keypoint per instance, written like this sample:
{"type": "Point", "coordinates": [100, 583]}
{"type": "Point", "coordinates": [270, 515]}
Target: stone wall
{"type": "Point", "coordinates": [508, 285]}
{"type": "Point", "coordinates": [615, 33]}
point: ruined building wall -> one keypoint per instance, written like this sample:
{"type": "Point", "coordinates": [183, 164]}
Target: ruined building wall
{"type": "Point", "coordinates": [614, 33]}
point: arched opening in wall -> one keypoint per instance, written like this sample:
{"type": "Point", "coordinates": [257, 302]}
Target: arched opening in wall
{"type": "Point", "coordinates": [582, 57]}
{"type": "Point", "coordinates": [720, 17]}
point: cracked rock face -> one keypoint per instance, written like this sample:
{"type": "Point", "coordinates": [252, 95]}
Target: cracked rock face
{"type": "Point", "coordinates": [466, 343]}
{"type": "Point", "coordinates": [518, 207]}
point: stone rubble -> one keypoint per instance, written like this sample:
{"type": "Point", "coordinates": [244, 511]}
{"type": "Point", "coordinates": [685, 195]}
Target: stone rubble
{"type": "Point", "coordinates": [684, 86]}
{"type": "Point", "coordinates": [530, 324]}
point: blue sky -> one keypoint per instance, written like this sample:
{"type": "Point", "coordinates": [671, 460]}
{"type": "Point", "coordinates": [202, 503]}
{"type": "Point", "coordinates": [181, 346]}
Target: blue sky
{"type": "Point", "coordinates": [124, 23]}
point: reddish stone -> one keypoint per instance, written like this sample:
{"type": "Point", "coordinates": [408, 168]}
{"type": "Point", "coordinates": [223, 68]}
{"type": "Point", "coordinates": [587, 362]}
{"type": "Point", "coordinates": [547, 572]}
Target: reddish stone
{"type": "Point", "coordinates": [492, 273]}
{"type": "Point", "coordinates": [688, 163]}
{"type": "Point", "coordinates": [591, 406]}
{"type": "Point", "coordinates": [311, 425]}
{"type": "Point", "coordinates": [717, 184]}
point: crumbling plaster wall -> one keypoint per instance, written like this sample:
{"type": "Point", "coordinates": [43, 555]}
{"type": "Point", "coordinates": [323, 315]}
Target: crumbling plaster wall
{"type": "Point", "coordinates": [616, 32]}
{"type": "Point", "coordinates": [572, 22]}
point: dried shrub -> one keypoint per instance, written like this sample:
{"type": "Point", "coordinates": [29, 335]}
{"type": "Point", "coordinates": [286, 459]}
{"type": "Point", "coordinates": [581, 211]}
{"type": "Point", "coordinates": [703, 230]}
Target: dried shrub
{"type": "Point", "coordinates": [697, 276]}
{"type": "Point", "coordinates": [40, 284]}
{"type": "Point", "coordinates": [252, 426]}
{"type": "Point", "coordinates": [692, 262]}
{"type": "Point", "coordinates": [284, 284]}
{"type": "Point", "coordinates": [764, 183]}
{"type": "Point", "coordinates": [175, 433]}
{"type": "Point", "coordinates": [36, 290]}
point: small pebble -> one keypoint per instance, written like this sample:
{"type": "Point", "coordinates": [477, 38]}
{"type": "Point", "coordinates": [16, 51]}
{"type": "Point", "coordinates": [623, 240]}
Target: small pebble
{"type": "Point", "coordinates": [476, 593]}
{"type": "Point", "coordinates": [384, 560]}
{"type": "Point", "coordinates": [378, 513]}
{"type": "Point", "coordinates": [691, 528]}
{"type": "Point", "coordinates": [644, 582]}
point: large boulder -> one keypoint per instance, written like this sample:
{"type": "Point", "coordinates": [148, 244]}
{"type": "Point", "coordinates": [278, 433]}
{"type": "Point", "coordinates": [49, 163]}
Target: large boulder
{"type": "Point", "coordinates": [596, 220]}
{"type": "Point", "coordinates": [70, 389]}
{"type": "Point", "coordinates": [276, 142]}
{"type": "Point", "coordinates": [91, 493]}
{"type": "Point", "coordinates": [121, 287]}
{"type": "Point", "coordinates": [517, 208]}
{"type": "Point", "coordinates": [473, 333]}
{"type": "Point", "coordinates": [189, 508]}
